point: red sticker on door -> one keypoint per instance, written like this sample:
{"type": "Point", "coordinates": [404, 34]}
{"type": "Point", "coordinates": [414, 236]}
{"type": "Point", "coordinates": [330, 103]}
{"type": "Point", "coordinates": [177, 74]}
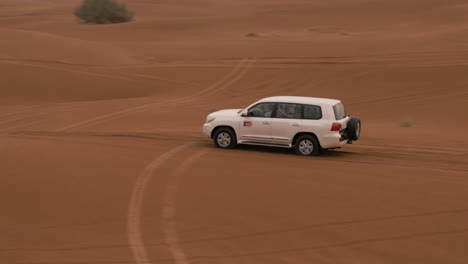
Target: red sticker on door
{"type": "Point", "coordinates": [247, 123]}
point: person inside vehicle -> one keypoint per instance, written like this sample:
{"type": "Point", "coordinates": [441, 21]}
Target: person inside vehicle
{"type": "Point", "coordinates": [285, 111]}
{"type": "Point", "coordinates": [267, 109]}
{"type": "Point", "coordinates": [261, 110]}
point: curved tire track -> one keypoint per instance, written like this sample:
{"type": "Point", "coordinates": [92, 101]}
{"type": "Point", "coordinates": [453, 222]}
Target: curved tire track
{"type": "Point", "coordinates": [226, 81]}
{"type": "Point", "coordinates": [168, 211]}
{"type": "Point", "coordinates": [135, 239]}
{"type": "Point", "coordinates": [168, 225]}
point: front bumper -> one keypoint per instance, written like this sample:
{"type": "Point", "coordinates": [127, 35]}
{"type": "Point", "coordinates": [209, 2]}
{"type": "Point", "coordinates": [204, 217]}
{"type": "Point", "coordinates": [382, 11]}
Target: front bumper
{"type": "Point", "coordinates": [207, 129]}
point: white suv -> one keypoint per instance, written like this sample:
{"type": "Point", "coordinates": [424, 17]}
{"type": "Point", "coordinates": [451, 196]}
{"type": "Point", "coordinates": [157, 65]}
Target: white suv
{"type": "Point", "coordinates": [306, 124]}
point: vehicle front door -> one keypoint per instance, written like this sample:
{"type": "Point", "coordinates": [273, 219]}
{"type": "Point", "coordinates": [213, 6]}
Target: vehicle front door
{"type": "Point", "coordinates": [256, 126]}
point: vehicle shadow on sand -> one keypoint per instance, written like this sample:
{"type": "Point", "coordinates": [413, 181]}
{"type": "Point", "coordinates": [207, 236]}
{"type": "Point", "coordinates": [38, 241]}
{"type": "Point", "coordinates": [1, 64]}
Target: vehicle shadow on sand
{"type": "Point", "coordinates": [335, 153]}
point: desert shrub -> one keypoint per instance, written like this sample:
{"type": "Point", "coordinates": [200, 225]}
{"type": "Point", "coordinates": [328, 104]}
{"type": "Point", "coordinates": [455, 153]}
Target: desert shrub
{"type": "Point", "coordinates": [103, 12]}
{"type": "Point", "coordinates": [252, 35]}
{"type": "Point", "coordinates": [406, 123]}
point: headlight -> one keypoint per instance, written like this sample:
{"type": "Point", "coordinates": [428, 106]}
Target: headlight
{"type": "Point", "coordinates": [210, 119]}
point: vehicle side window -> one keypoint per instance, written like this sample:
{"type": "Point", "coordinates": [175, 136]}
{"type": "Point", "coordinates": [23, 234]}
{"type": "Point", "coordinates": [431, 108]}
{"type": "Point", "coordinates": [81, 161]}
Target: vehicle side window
{"type": "Point", "coordinates": [292, 111]}
{"type": "Point", "coordinates": [261, 110]}
{"type": "Point", "coordinates": [312, 112]}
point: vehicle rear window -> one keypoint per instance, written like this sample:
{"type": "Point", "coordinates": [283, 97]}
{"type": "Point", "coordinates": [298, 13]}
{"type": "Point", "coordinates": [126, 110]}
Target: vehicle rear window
{"type": "Point", "coordinates": [312, 112]}
{"type": "Point", "coordinates": [339, 111]}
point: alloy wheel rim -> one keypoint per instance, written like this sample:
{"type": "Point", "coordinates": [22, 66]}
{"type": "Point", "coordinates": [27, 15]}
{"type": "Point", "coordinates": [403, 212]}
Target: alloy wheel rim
{"type": "Point", "coordinates": [224, 139]}
{"type": "Point", "coordinates": [306, 146]}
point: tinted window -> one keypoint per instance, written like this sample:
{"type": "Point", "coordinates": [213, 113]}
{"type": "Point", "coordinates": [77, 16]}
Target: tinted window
{"type": "Point", "coordinates": [339, 111]}
{"type": "Point", "coordinates": [312, 112]}
{"type": "Point", "coordinates": [261, 110]}
{"type": "Point", "coordinates": [288, 111]}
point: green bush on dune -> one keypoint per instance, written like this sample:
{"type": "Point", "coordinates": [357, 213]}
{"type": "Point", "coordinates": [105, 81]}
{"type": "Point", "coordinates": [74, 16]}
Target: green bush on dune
{"type": "Point", "coordinates": [103, 12]}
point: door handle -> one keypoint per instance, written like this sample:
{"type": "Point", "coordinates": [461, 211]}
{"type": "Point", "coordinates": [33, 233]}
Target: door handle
{"type": "Point", "coordinates": [265, 122]}
{"type": "Point", "coordinates": [295, 124]}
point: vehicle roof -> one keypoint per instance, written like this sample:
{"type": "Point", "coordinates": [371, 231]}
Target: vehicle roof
{"type": "Point", "coordinates": [301, 100]}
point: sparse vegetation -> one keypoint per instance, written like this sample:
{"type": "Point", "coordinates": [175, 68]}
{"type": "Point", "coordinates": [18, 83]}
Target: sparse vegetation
{"type": "Point", "coordinates": [251, 34]}
{"type": "Point", "coordinates": [406, 123]}
{"type": "Point", "coordinates": [103, 12]}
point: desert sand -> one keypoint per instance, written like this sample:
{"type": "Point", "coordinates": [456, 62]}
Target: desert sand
{"type": "Point", "coordinates": [102, 158]}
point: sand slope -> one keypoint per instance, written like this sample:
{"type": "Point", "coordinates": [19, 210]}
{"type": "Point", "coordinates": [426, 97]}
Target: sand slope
{"type": "Point", "coordinates": [102, 159]}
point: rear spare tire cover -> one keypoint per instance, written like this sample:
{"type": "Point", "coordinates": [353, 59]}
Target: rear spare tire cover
{"type": "Point", "coordinates": [353, 128]}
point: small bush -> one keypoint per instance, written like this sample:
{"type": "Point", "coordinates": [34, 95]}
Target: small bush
{"type": "Point", "coordinates": [103, 12]}
{"type": "Point", "coordinates": [406, 123]}
{"type": "Point", "coordinates": [252, 34]}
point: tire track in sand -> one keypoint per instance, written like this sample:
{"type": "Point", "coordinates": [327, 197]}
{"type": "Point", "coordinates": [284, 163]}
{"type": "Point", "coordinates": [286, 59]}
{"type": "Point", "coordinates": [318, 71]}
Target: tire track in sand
{"type": "Point", "coordinates": [168, 226]}
{"type": "Point", "coordinates": [221, 84]}
{"type": "Point", "coordinates": [168, 211]}
{"type": "Point", "coordinates": [32, 116]}
{"type": "Point", "coordinates": [135, 239]}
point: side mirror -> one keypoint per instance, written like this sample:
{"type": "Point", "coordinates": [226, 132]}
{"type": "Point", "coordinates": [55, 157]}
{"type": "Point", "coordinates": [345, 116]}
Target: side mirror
{"type": "Point", "coordinates": [245, 112]}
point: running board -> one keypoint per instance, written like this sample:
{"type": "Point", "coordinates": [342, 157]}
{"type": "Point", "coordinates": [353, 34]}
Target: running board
{"type": "Point", "coordinates": [281, 145]}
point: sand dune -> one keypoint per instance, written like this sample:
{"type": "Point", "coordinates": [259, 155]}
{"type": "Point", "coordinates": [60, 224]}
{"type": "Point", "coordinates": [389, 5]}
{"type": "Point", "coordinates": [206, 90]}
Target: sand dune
{"type": "Point", "coordinates": [102, 160]}
{"type": "Point", "coordinates": [47, 47]}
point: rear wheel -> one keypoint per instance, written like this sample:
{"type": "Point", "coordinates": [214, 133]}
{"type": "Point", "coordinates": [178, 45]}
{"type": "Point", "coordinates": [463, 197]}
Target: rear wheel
{"type": "Point", "coordinates": [225, 138]}
{"type": "Point", "coordinates": [307, 145]}
{"type": "Point", "coordinates": [353, 128]}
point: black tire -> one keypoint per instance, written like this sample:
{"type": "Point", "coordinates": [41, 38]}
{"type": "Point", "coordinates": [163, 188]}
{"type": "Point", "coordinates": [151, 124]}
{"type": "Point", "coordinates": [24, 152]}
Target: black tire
{"type": "Point", "coordinates": [353, 128]}
{"type": "Point", "coordinates": [225, 138]}
{"type": "Point", "coordinates": [307, 145]}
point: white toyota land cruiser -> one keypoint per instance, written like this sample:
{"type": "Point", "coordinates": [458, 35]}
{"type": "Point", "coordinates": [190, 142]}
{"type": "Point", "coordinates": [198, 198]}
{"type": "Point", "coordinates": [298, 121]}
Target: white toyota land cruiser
{"type": "Point", "coordinates": [306, 124]}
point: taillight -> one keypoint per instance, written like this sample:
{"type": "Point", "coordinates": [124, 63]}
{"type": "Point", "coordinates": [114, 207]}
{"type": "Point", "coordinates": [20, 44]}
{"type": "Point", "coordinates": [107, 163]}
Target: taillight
{"type": "Point", "coordinates": [336, 126]}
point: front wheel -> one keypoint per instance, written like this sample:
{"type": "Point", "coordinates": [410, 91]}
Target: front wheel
{"type": "Point", "coordinates": [225, 138]}
{"type": "Point", "coordinates": [307, 145]}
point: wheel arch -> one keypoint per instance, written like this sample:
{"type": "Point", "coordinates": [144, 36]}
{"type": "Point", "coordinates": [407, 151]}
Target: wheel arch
{"type": "Point", "coordinates": [222, 126]}
{"type": "Point", "coordinates": [304, 133]}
